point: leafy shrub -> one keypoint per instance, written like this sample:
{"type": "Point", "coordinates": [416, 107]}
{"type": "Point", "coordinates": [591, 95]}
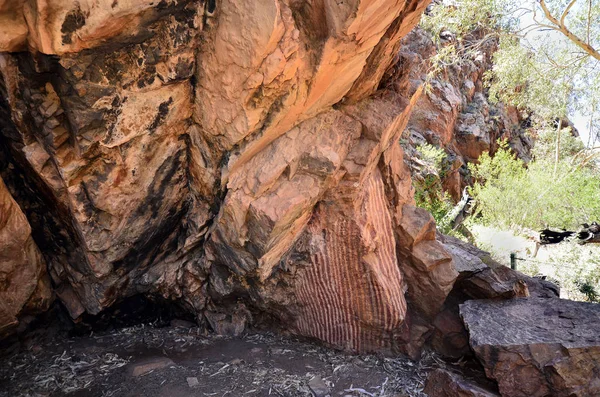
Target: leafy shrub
{"type": "Point", "coordinates": [509, 195]}
{"type": "Point", "coordinates": [429, 194]}
{"type": "Point", "coordinates": [577, 268]}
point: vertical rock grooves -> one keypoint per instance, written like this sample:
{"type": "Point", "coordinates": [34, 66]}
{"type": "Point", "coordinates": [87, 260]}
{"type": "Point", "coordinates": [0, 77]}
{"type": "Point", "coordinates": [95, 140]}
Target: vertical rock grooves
{"type": "Point", "coordinates": [352, 296]}
{"type": "Point", "coordinates": [192, 151]}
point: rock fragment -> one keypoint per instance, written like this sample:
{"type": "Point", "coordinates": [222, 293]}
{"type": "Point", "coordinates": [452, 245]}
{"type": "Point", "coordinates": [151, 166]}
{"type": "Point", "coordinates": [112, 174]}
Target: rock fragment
{"type": "Point", "coordinates": [537, 347]}
{"type": "Point", "coordinates": [443, 383]}
{"type": "Point", "coordinates": [193, 382]}
{"type": "Point", "coordinates": [318, 387]}
{"type": "Point", "coordinates": [149, 365]}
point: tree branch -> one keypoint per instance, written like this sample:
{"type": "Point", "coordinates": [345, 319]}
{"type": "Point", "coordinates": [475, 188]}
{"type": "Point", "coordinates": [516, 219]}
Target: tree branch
{"type": "Point", "coordinates": [566, 12]}
{"type": "Point", "coordinates": [563, 29]}
{"type": "Point", "coordinates": [589, 20]}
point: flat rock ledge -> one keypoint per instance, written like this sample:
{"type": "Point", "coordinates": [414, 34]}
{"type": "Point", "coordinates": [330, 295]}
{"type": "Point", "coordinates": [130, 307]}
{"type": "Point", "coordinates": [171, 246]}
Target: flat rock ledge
{"type": "Point", "coordinates": [537, 347]}
{"type": "Point", "coordinates": [443, 383]}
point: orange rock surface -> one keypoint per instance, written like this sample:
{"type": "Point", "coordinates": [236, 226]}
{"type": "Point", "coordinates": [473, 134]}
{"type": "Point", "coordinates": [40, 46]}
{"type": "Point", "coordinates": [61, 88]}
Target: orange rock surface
{"type": "Point", "coordinates": [237, 157]}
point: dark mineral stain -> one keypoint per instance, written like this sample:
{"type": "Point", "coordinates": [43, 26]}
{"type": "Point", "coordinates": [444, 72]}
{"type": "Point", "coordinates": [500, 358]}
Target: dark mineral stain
{"type": "Point", "coordinates": [83, 197]}
{"type": "Point", "coordinates": [148, 76]}
{"type": "Point", "coordinates": [74, 20]}
{"type": "Point", "coordinates": [149, 80]}
{"type": "Point", "coordinates": [114, 70]}
{"type": "Point", "coordinates": [168, 176]}
{"type": "Point", "coordinates": [163, 110]}
{"type": "Point", "coordinates": [211, 5]}
{"type": "Point", "coordinates": [184, 69]}
{"type": "Point", "coordinates": [162, 5]}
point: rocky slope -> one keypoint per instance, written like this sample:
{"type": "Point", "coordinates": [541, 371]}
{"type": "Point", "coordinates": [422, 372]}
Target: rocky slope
{"type": "Point", "coordinates": [456, 114]}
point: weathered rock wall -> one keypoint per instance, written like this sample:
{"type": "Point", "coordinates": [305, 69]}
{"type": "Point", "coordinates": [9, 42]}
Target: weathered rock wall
{"type": "Point", "coordinates": [234, 156]}
{"type": "Point", "coordinates": [24, 283]}
{"type": "Point", "coordinates": [456, 114]}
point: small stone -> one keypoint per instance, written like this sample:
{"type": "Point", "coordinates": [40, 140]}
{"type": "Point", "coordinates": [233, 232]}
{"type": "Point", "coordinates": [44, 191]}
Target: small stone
{"type": "Point", "coordinates": [318, 387]}
{"type": "Point", "coordinates": [193, 382]}
{"type": "Point", "coordinates": [147, 366]}
{"type": "Point", "coordinates": [178, 323]}
{"type": "Point", "coordinates": [51, 109]}
{"type": "Point", "coordinates": [52, 123]}
{"type": "Point", "coordinates": [358, 362]}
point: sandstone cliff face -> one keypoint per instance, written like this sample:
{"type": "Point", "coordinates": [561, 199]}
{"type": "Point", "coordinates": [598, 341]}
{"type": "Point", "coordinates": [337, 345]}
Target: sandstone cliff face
{"type": "Point", "coordinates": [234, 156]}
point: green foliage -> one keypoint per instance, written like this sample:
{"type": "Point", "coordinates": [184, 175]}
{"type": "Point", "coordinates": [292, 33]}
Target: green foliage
{"type": "Point", "coordinates": [509, 195]}
{"type": "Point", "coordinates": [429, 196]}
{"type": "Point", "coordinates": [577, 269]}
{"type": "Point", "coordinates": [520, 78]}
{"type": "Point", "coordinates": [504, 164]}
{"type": "Point", "coordinates": [466, 17]}
{"type": "Point", "coordinates": [428, 189]}
{"type": "Point", "coordinates": [587, 289]}
{"type": "Point", "coordinates": [548, 64]}
{"type": "Point", "coordinates": [545, 143]}
{"type": "Point", "coordinates": [433, 157]}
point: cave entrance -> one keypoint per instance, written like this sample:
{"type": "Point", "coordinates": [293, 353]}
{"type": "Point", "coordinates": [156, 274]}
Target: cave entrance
{"type": "Point", "coordinates": [132, 311]}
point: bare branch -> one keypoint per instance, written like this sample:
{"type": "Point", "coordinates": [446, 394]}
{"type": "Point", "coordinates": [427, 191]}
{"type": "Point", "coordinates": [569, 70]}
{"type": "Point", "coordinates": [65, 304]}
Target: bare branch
{"type": "Point", "coordinates": [589, 20]}
{"type": "Point", "coordinates": [533, 27]}
{"type": "Point", "coordinates": [524, 9]}
{"type": "Point", "coordinates": [548, 14]}
{"type": "Point", "coordinates": [566, 12]}
{"type": "Point", "coordinates": [563, 29]}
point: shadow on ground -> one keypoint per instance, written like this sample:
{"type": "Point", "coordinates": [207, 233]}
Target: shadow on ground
{"type": "Point", "coordinates": [179, 361]}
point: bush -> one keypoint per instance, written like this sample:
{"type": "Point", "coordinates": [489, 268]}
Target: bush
{"type": "Point", "coordinates": [429, 194]}
{"type": "Point", "coordinates": [509, 195]}
{"type": "Point", "coordinates": [577, 268]}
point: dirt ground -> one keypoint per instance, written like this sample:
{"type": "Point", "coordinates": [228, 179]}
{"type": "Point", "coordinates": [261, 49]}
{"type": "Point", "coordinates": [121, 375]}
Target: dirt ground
{"type": "Point", "coordinates": [180, 361]}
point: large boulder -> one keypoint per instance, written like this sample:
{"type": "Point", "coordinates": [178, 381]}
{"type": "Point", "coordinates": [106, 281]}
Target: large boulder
{"type": "Point", "coordinates": [237, 157]}
{"type": "Point", "coordinates": [536, 346]}
{"type": "Point", "coordinates": [428, 266]}
{"type": "Point", "coordinates": [479, 277]}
